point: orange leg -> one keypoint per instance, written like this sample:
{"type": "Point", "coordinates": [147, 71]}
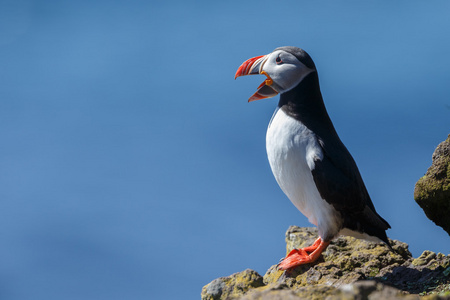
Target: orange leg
{"type": "Point", "coordinates": [303, 256]}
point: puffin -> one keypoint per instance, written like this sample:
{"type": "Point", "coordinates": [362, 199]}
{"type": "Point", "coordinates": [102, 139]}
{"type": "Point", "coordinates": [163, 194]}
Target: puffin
{"type": "Point", "coordinates": [308, 159]}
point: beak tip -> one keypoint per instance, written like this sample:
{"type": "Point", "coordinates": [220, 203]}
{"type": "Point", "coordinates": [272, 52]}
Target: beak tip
{"type": "Point", "coordinates": [239, 73]}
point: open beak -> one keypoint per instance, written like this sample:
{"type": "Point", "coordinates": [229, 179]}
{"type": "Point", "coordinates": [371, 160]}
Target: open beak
{"type": "Point", "coordinates": [254, 66]}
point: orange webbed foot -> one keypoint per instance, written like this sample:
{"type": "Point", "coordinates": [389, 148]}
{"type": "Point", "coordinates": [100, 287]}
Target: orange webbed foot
{"type": "Point", "coordinates": [303, 256]}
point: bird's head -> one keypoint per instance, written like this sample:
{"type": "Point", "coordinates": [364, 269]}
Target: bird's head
{"type": "Point", "coordinates": [284, 68]}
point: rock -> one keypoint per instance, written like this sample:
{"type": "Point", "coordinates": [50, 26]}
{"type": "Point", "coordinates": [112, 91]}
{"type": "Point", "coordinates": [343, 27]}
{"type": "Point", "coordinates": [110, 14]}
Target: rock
{"type": "Point", "coordinates": [345, 261]}
{"type": "Point", "coordinates": [349, 269]}
{"type": "Point", "coordinates": [232, 286]}
{"type": "Point", "coordinates": [360, 290]}
{"type": "Point", "coordinates": [432, 191]}
{"type": "Point", "coordinates": [280, 292]}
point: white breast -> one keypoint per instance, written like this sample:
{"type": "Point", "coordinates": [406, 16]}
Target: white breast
{"type": "Point", "coordinates": [292, 149]}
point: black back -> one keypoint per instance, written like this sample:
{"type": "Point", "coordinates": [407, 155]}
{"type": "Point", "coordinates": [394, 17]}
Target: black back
{"type": "Point", "coordinates": [336, 176]}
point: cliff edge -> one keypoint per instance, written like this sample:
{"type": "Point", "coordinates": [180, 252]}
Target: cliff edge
{"type": "Point", "coordinates": [349, 269]}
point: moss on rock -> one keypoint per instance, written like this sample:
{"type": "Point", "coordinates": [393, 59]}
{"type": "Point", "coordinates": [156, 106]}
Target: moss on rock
{"type": "Point", "coordinates": [348, 269]}
{"type": "Point", "coordinates": [233, 286]}
{"type": "Point", "coordinates": [432, 191]}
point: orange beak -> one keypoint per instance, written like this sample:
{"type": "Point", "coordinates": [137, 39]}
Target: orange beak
{"type": "Point", "coordinates": [254, 66]}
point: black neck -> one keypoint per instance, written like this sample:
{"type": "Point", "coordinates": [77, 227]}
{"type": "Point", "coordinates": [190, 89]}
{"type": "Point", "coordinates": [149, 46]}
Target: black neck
{"type": "Point", "coordinates": [305, 104]}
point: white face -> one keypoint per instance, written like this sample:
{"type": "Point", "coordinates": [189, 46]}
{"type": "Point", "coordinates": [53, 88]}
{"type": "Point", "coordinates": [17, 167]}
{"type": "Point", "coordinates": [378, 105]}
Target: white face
{"type": "Point", "coordinates": [285, 70]}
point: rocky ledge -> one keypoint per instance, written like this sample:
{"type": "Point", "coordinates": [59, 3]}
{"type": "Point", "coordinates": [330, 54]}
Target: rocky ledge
{"type": "Point", "coordinates": [349, 269]}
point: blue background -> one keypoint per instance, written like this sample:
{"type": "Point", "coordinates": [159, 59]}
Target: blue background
{"type": "Point", "coordinates": [132, 166]}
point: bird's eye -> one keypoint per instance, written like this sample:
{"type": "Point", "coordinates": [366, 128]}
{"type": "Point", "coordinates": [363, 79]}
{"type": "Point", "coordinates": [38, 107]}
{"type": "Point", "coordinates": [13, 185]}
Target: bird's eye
{"type": "Point", "coordinates": [278, 60]}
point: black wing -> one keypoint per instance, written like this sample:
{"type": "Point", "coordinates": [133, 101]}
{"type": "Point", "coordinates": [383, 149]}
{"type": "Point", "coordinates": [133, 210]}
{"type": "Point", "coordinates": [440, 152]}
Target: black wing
{"type": "Point", "coordinates": [339, 182]}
